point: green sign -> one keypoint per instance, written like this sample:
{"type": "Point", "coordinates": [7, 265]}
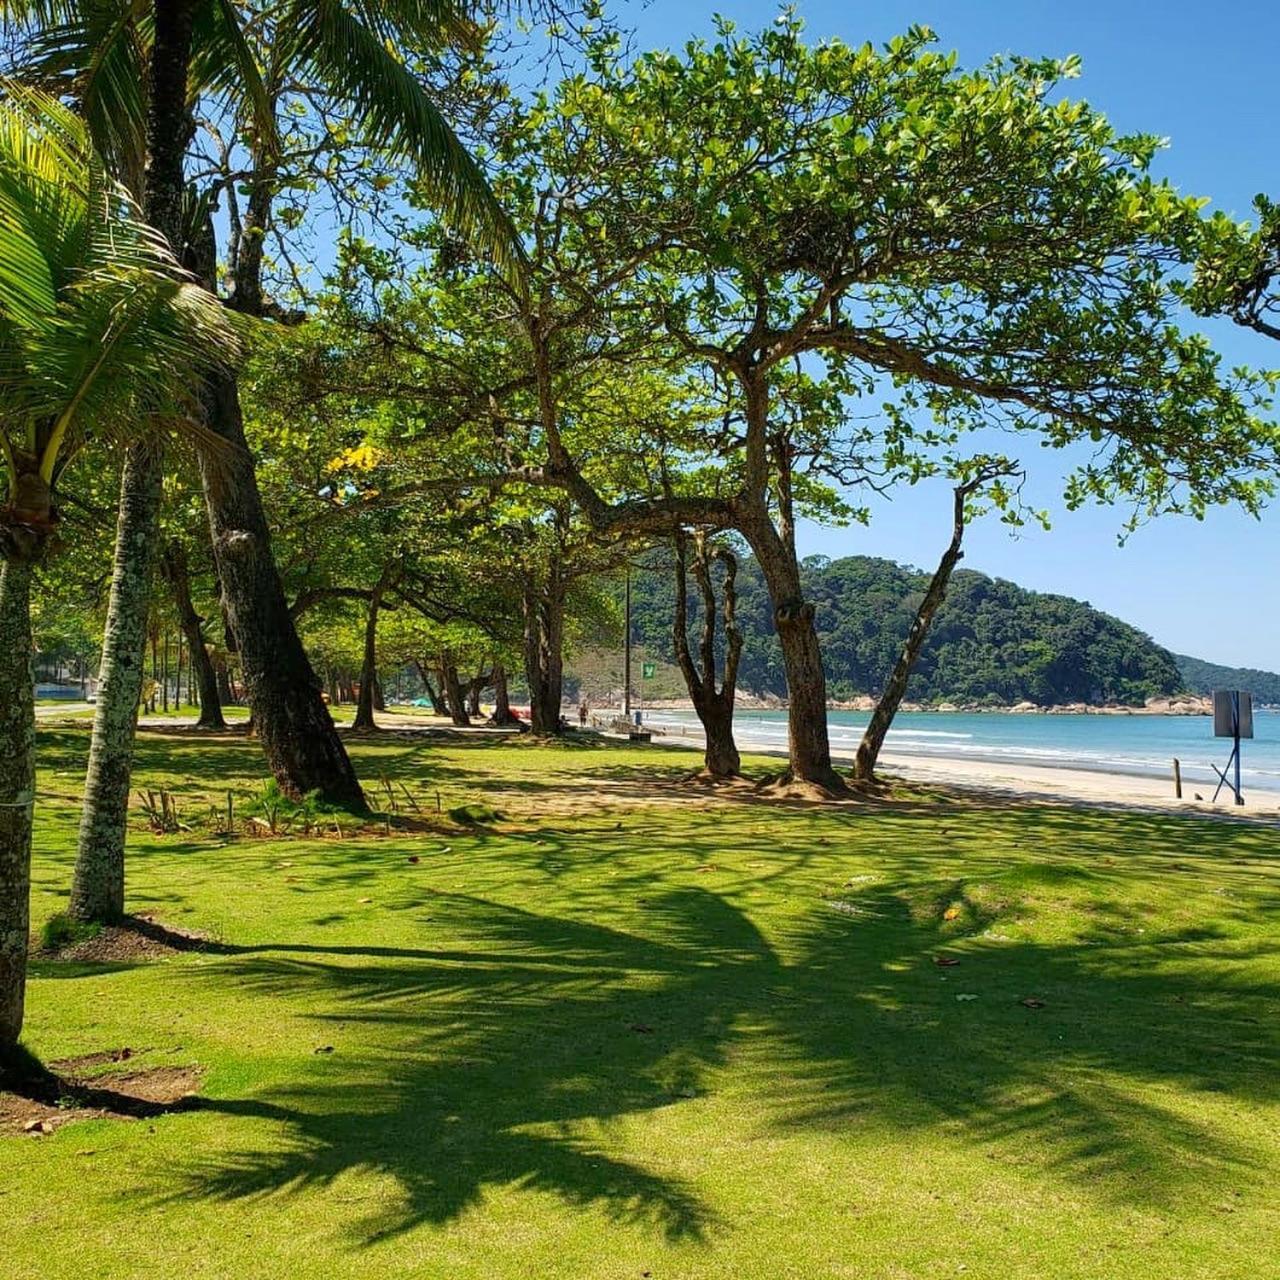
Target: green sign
{"type": "Point", "coordinates": [648, 670]}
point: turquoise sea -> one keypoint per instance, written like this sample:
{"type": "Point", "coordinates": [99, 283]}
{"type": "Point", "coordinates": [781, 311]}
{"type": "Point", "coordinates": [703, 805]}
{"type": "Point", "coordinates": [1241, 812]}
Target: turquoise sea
{"type": "Point", "coordinates": [1141, 745]}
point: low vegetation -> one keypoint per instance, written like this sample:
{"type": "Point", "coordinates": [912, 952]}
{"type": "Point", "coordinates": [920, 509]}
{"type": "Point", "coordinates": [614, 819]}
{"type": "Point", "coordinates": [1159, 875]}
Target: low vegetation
{"type": "Point", "coordinates": [614, 1031]}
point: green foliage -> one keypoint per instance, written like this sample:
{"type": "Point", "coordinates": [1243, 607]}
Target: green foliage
{"type": "Point", "coordinates": [991, 641]}
{"type": "Point", "coordinates": [61, 931]}
{"type": "Point", "coordinates": [590, 1047]}
{"type": "Point", "coordinates": [1204, 677]}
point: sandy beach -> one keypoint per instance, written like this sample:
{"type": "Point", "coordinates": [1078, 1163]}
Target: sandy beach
{"type": "Point", "coordinates": [1040, 783]}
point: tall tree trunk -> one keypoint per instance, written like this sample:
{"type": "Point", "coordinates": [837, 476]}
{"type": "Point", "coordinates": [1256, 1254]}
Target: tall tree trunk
{"type": "Point", "coordinates": [475, 687]}
{"type": "Point", "coordinates": [97, 886]}
{"type": "Point", "coordinates": [451, 685]}
{"type": "Point", "coordinates": [808, 744]}
{"type": "Point", "coordinates": [298, 735]}
{"type": "Point", "coordinates": [714, 706]}
{"type": "Point", "coordinates": [226, 695]}
{"type": "Point", "coordinates": [364, 721]}
{"type": "Point", "coordinates": [17, 793]}
{"type": "Point", "coordinates": [433, 696]}
{"type": "Point", "coordinates": [379, 694]}
{"type": "Point", "coordinates": [174, 567]}
{"type": "Point", "coordinates": [98, 883]}
{"type": "Point", "coordinates": [864, 764]}
{"type": "Point", "coordinates": [544, 651]}
{"type": "Point", "coordinates": [502, 713]}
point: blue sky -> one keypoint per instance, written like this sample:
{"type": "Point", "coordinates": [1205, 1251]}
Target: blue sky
{"type": "Point", "coordinates": [1205, 77]}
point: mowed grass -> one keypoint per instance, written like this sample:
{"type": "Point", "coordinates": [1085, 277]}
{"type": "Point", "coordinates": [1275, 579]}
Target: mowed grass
{"type": "Point", "coordinates": [633, 1032]}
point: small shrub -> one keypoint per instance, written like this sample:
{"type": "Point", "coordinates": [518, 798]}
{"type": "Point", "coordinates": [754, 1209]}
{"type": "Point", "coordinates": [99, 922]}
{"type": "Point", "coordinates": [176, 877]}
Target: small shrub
{"type": "Point", "coordinates": [475, 814]}
{"type": "Point", "coordinates": [61, 931]}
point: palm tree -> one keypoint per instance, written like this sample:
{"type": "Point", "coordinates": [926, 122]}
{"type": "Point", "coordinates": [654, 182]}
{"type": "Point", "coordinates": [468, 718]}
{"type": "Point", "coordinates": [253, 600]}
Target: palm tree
{"type": "Point", "coordinates": [99, 334]}
{"type": "Point", "coordinates": [104, 52]}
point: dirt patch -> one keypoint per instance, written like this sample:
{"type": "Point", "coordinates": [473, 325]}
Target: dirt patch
{"type": "Point", "coordinates": [134, 938]}
{"type": "Point", "coordinates": [69, 1090]}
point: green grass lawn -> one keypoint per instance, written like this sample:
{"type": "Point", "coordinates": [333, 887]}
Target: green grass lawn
{"type": "Point", "coordinates": [631, 1033]}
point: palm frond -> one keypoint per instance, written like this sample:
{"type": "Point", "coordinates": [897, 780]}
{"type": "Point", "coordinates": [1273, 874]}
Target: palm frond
{"type": "Point", "coordinates": [360, 67]}
{"type": "Point", "coordinates": [97, 57]}
{"type": "Point", "coordinates": [224, 64]}
{"type": "Point", "coordinates": [99, 330]}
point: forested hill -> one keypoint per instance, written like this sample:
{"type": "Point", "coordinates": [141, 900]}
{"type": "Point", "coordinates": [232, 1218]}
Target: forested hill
{"type": "Point", "coordinates": [991, 642]}
{"type": "Point", "coordinates": [1199, 676]}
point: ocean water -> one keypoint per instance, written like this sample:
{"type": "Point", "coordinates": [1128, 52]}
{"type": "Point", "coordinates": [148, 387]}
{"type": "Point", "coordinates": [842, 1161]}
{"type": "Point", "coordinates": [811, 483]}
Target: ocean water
{"type": "Point", "coordinates": [1141, 745]}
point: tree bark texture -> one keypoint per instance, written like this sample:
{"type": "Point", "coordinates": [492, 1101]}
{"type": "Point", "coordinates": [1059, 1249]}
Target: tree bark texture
{"type": "Point", "coordinates": [174, 566]}
{"type": "Point", "coordinates": [864, 765]}
{"type": "Point", "coordinates": [97, 886]}
{"type": "Point", "coordinates": [438, 704]}
{"type": "Point", "coordinates": [17, 792]}
{"type": "Point", "coordinates": [544, 651]}
{"type": "Point", "coordinates": [368, 699]}
{"type": "Point", "coordinates": [298, 735]}
{"type": "Point", "coordinates": [454, 696]}
{"type": "Point", "coordinates": [714, 705]}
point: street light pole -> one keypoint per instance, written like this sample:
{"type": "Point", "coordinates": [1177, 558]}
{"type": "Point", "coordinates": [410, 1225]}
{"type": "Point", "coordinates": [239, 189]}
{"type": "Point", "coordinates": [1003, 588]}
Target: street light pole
{"type": "Point", "coordinates": [626, 653]}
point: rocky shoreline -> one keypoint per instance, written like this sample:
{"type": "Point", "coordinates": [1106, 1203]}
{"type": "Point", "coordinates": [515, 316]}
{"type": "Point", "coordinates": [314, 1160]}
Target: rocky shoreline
{"type": "Point", "coordinates": [1182, 704]}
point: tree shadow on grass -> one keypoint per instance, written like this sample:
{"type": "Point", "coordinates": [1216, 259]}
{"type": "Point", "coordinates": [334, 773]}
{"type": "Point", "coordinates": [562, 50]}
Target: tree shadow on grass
{"type": "Point", "coordinates": [505, 1060]}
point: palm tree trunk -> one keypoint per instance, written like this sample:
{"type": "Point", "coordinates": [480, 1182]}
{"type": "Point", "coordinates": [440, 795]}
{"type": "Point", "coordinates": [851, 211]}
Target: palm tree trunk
{"type": "Point", "coordinates": [298, 735]}
{"type": "Point", "coordinates": [97, 891]}
{"type": "Point", "coordinates": [97, 886]}
{"type": "Point", "coordinates": [17, 792]}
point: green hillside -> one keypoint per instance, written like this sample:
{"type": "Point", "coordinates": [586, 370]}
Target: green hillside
{"type": "Point", "coordinates": [1204, 677]}
{"type": "Point", "coordinates": [992, 642]}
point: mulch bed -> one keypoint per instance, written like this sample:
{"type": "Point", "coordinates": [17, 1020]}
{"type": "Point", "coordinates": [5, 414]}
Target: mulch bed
{"type": "Point", "coordinates": [134, 938]}
{"type": "Point", "coordinates": [75, 1089]}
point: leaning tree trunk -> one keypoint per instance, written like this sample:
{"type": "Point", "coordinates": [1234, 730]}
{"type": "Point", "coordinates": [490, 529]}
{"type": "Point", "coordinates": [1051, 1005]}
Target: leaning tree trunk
{"type": "Point", "coordinates": [174, 567]}
{"type": "Point", "coordinates": [544, 652]}
{"type": "Point", "coordinates": [455, 699]}
{"type": "Point", "coordinates": [864, 765]}
{"type": "Point", "coordinates": [433, 696]}
{"type": "Point", "coordinates": [297, 732]}
{"type": "Point", "coordinates": [97, 885]}
{"type": "Point", "coordinates": [17, 793]}
{"type": "Point", "coordinates": [714, 706]}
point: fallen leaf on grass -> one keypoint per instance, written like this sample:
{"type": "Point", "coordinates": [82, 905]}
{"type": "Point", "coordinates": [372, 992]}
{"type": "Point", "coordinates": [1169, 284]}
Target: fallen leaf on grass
{"type": "Point", "coordinates": [946, 962]}
{"type": "Point", "coordinates": [324, 1048]}
{"type": "Point", "coordinates": [951, 913]}
{"type": "Point", "coordinates": [710, 866]}
{"type": "Point", "coordinates": [413, 857]}
{"type": "Point", "coordinates": [364, 899]}
{"type": "Point", "coordinates": [1030, 1002]}
{"type": "Point", "coordinates": [966, 995]}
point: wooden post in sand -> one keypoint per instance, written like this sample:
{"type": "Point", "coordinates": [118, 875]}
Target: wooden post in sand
{"type": "Point", "coordinates": [1177, 778]}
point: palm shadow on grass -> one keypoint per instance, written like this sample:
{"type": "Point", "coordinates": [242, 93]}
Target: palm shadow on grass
{"type": "Point", "coordinates": [503, 1062]}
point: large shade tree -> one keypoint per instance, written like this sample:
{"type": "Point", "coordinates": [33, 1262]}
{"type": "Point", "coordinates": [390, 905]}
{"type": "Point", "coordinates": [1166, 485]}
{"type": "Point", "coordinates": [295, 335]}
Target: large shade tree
{"type": "Point", "coordinates": [140, 72]}
{"type": "Point", "coordinates": [100, 335]}
{"type": "Point", "coordinates": [817, 225]}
